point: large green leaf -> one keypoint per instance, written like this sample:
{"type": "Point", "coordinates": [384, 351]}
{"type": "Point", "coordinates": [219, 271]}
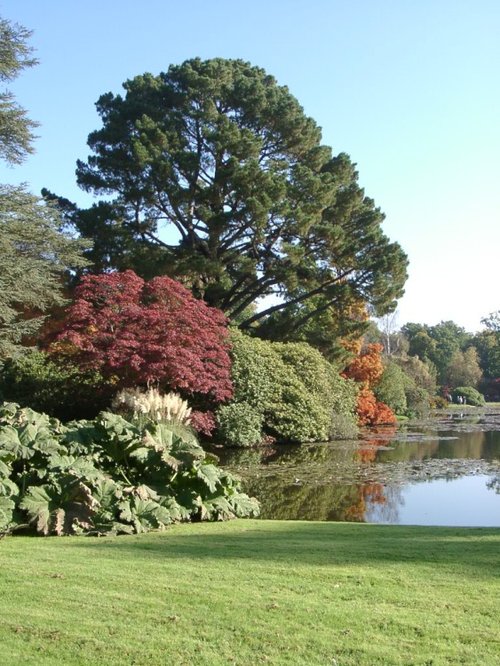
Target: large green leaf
{"type": "Point", "coordinates": [80, 437]}
{"type": "Point", "coordinates": [11, 443]}
{"type": "Point", "coordinates": [37, 419]}
{"type": "Point", "coordinates": [37, 504]}
{"type": "Point", "coordinates": [144, 514]}
{"type": "Point", "coordinates": [142, 454]}
{"type": "Point", "coordinates": [59, 511]}
{"type": "Point", "coordinates": [116, 426]}
{"type": "Point", "coordinates": [8, 411]}
{"type": "Point", "coordinates": [6, 510]}
{"type": "Point", "coordinates": [187, 451]}
{"type": "Point", "coordinates": [117, 437]}
{"type": "Point", "coordinates": [8, 488]}
{"type": "Point", "coordinates": [48, 446]}
{"type": "Point", "coordinates": [219, 508]}
{"type": "Point", "coordinates": [161, 514]}
{"type": "Point", "coordinates": [82, 468]}
{"type": "Point", "coordinates": [159, 437]}
{"type": "Point", "coordinates": [145, 493]}
{"type": "Point", "coordinates": [244, 506]}
{"type": "Point", "coordinates": [120, 528]}
{"type": "Point", "coordinates": [176, 511]}
{"type": "Point", "coordinates": [164, 439]}
{"type": "Point", "coordinates": [5, 470]}
{"type": "Point", "coordinates": [106, 493]}
{"type": "Point", "coordinates": [29, 432]}
{"type": "Point", "coordinates": [125, 510]}
{"type": "Point", "coordinates": [154, 460]}
{"type": "Point", "coordinates": [209, 474]}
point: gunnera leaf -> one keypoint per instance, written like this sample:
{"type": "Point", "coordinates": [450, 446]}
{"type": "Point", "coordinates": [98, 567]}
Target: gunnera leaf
{"type": "Point", "coordinates": [209, 474]}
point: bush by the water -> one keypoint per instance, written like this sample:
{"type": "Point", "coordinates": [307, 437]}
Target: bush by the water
{"type": "Point", "coordinates": [137, 333]}
{"type": "Point", "coordinates": [239, 424]}
{"type": "Point", "coordinates": [107, 476]}
{"type": "Point", "coordinates": [471, 395]}
{"type": "Point", "coordinates": [287, 391]}
{"type": "Point", "coordinates": [343, 426]}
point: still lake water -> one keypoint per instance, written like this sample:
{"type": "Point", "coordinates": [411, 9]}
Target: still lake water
{"type": "Point", "coordinates": [441, 471]}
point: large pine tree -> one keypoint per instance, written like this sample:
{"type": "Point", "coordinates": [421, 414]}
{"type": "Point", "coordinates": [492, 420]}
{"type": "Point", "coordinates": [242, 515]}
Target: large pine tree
{"type": "Point", "coordinates": [221, 154]}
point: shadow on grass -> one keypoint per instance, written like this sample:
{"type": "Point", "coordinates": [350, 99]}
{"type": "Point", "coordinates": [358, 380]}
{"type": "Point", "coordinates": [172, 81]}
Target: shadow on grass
{"type": "Point", "coordinates": [471, 551]}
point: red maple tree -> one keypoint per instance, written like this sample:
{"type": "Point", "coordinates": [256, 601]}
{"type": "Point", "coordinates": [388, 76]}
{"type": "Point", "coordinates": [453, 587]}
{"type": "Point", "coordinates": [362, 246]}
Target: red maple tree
{"type": "Point", "coordinates": [141, 332]}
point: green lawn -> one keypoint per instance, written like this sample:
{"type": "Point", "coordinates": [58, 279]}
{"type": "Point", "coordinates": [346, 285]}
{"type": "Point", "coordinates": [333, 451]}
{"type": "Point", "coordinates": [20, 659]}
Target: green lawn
{"type": "Point", "coordinates": [251, 592]}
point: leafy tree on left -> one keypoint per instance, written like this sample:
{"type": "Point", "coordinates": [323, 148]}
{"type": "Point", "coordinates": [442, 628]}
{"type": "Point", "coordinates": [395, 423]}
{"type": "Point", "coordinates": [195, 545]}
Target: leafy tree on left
{"type": "Point", "coordinates": [35, 249]}
{"type": "Point", "coordinates": [15, 127]}
{"type": "Point", "coordinates": [34, 255]}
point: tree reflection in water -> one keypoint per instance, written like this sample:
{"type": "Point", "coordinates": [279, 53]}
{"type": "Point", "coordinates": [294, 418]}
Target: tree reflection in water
{"type": "Point", "coordinates": [376, 493]}
{"type": "Point", "coordinates": [365, 479]}
{"type": "Point", "coordinates": [313, 481]}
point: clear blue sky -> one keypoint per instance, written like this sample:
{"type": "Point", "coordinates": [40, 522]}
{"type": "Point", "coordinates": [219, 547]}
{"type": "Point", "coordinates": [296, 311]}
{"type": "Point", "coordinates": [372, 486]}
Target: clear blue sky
{"type": "Point", "coordinates": [409, 88]}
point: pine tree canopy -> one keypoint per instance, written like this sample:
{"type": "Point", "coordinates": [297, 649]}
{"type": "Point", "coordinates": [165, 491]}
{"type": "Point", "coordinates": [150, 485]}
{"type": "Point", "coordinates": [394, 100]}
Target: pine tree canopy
{"type": "Point", "coordinates": [213, 174]}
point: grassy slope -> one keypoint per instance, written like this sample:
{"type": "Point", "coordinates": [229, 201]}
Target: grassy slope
{"type": "Point", "coordinates": [251, 592]}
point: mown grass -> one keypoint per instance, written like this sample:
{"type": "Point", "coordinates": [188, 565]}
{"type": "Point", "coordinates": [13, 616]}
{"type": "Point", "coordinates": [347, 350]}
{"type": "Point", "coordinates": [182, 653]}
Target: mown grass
{"type": "Point", "coordinates": [251, 592]}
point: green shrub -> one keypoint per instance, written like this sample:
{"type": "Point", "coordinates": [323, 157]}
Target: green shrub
{"type": "Point", "coordinates": [417, 400]}
{"type": "Point", "coordinates": [391, 388]}
{"type": "Point", "coordinates": [321, 378]}
{"type": "Point", "coordinates": [291, 386]}
{"type": "Point", "coordinates": [63, 391]}
{"type": "Point", "coordinates": [239, 424]}
{"type": "Point", "coordinates": [107, 476]}
{"type": "Point", "coordinates": [403, 387]}
{"type": "Point", "coordinates": [438, 402]}
{"type": "Point", "coordinates": [471, 395]}
{"type": "Point", "coordinates": [343, 426]}
{"type": "Point", "coordinates": [253, 363]}
{"type": "Point", "coordinates": [297, 416]}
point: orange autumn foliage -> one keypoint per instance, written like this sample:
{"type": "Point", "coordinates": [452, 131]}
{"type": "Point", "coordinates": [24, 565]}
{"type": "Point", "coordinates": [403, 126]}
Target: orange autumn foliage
{"type": "Point", "coordinates": [384, 415]}
{"type": "Point", "coordinates": [356, 311]}
{"type": "Point", "coordinates": [367, 369]}
{"type": "Point", "coordinates": [353, 347]}
{"type": "Point", "coordinates": [371, 411]}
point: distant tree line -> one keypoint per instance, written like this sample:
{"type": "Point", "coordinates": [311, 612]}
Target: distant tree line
{"type": "Point", "coordinates": [446, 354]}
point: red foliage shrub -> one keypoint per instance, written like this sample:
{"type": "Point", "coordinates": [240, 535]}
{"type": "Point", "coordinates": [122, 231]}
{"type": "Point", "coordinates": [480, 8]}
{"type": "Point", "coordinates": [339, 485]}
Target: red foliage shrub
{"type": "Point", "coordinates": [141, 332]}
{"type": "Point", "coordinates": [203, 422]}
